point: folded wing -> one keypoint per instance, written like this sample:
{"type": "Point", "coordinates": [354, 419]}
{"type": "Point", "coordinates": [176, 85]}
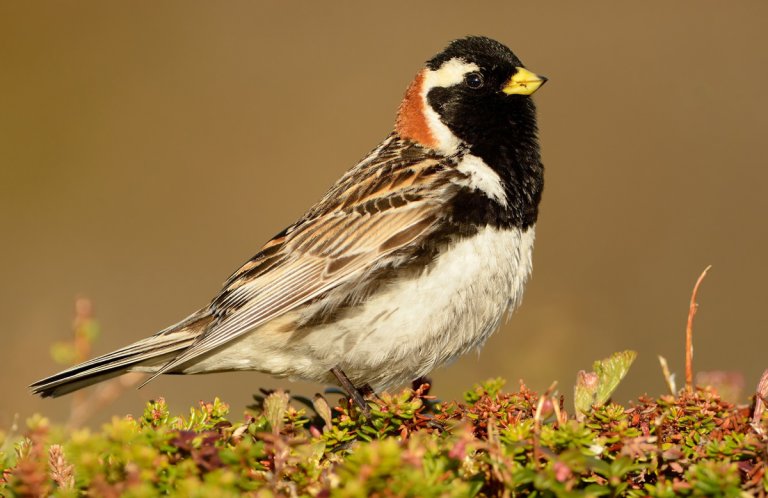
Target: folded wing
{"type": "Point", "coordinates": [373, 217]}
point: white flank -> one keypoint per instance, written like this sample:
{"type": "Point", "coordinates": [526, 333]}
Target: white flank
{"type": "Point", "coordinates": [483, 178]}
{"type": "Point", "coordinates": [422, 322]}
{"type": "Point", "coordinates": [450, 73]}
{"type": "Point", "coordinates": [406, 329]}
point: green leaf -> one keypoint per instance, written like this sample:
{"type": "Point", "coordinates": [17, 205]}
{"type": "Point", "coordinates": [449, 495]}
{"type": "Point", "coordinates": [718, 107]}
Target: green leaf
{"type": "Point", "coordinates": [595, 388]}
{"type": "Point", "coordinates": [275, 406]}
{"type": "Point", "coordinates": [611, 371]}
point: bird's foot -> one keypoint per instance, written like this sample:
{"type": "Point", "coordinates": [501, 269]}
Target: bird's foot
{"type": "Point", "coordinates": [354, 393]}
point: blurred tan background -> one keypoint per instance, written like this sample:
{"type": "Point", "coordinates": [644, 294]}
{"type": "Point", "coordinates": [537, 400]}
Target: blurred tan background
{"type": "Point", "coordinates": [149, 148]}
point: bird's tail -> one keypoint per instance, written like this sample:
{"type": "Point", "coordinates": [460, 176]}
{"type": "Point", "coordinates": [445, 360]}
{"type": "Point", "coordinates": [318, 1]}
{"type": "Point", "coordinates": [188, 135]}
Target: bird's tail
{"type": "Point", "coordinates": [145, 355]}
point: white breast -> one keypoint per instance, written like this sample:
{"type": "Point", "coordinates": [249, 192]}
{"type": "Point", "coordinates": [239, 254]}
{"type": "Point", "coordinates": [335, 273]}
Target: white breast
{"type": "Point", "coordinates": [405, 330]}
{"type": "Point", "coordinates": [420, 323]}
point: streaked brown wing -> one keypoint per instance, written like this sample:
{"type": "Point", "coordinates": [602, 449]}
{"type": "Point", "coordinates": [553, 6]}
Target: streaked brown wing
{"type": "Point", "coordinates": [381, 207]}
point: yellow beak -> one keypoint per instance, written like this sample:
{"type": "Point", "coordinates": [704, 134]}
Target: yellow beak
{"type": "Point", "coordinates": [523, 82]}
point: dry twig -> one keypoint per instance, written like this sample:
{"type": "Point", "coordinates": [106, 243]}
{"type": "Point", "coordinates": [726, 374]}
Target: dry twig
{"type": "Point", "coordinates": [692, 308]}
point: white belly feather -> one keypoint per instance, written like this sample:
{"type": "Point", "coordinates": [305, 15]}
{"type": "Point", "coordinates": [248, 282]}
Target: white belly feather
{"type": "Point", "coordinates": [422, 323]}
{"type": "Point", "coordinates": [418, 324]}
{"type": "Point", "coordinates": [405, 331]}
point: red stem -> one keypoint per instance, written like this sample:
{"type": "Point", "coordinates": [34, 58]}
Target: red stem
{"type": "Point", "coordinates": [689, 332]}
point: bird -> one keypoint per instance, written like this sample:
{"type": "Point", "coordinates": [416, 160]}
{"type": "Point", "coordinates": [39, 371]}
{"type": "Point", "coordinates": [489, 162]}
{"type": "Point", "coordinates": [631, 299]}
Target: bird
{"type": "Point", "coordinates": [410, 260]}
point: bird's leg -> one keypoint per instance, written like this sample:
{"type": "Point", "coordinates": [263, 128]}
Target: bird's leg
{"type": "Point", "coordinates": [352, 391]}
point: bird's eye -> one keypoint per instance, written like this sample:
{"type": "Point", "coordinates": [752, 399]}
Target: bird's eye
{"type": "Point", "coordinates": [474, 80]}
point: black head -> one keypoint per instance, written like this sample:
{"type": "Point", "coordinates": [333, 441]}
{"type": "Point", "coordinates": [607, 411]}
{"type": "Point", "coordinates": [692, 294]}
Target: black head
{"type": "Point", "coordinates": [481, 50]}
{"type": "Point", "coordinates": [481, 91]}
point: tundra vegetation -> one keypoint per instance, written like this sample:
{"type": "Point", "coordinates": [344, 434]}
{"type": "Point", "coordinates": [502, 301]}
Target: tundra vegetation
{"type": "Point", "coordinates": [493, 442]}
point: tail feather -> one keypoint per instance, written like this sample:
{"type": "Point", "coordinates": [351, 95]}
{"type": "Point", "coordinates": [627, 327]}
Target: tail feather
{"type": "Point", "coordinates": [144, 355]}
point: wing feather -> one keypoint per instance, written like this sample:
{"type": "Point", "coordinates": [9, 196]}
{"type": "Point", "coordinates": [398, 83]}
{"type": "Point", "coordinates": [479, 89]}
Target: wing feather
{"type": "Point", "coordinates": [377, 209]}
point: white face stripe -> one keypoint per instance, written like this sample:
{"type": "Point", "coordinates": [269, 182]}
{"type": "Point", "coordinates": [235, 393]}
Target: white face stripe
{"type": "Point", "coordinates": [450, 73]}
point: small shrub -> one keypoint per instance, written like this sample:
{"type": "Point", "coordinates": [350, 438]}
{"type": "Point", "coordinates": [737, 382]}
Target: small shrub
{"type": "Point", "coordinates": [494, 443]}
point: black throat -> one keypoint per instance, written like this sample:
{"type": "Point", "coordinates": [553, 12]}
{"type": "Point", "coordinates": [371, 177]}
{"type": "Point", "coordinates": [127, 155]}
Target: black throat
{"type": "Point", "coordinates": [509, 147]}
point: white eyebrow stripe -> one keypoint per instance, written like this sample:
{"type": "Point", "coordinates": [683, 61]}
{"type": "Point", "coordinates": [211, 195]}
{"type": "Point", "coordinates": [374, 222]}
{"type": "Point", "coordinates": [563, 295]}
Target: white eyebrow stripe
{"type": "Point", "coordinates": [448, 74]}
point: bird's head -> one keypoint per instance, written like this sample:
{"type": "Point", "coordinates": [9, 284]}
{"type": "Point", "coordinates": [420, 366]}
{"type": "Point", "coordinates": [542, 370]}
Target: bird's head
{"type": "Point", "coordinates": [475, 91]}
